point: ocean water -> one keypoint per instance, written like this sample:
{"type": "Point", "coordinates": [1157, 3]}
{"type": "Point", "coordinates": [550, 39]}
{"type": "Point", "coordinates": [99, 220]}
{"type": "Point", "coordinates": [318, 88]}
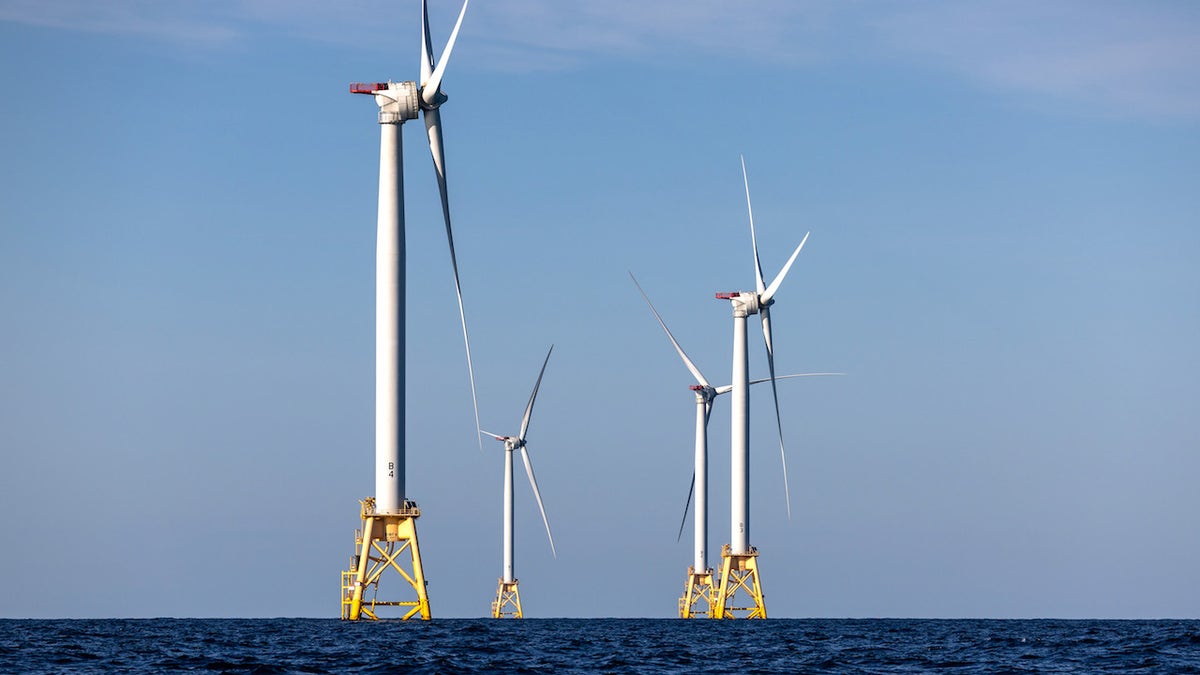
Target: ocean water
{"type": "Point", "coordinates": [598, 646]}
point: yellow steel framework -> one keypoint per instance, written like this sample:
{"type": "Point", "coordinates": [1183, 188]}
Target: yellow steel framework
{"type": "Point", "coordinates": [739, 572]}
{"type": "Point", "coordinates": [507, 604]}
{"type": "Point", "coordinates": [698, 587]}
{"type": "Point", "coordinates": [384, 542]}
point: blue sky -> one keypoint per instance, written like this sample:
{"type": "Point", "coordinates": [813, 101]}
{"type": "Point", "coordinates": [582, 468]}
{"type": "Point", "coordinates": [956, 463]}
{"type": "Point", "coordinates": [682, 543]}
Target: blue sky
{"type": "Point", "coordinates": [1003, 206]}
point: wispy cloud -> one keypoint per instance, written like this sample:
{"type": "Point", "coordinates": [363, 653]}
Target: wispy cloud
{"type": "Point", "coordinates": [1126, 57]}
{"type": "Point", "coordinates": [168, 21]}
{"type": "Point", "coordinates": [576, 31]}
{"type": "Point", "coordinates": [1132, 57]}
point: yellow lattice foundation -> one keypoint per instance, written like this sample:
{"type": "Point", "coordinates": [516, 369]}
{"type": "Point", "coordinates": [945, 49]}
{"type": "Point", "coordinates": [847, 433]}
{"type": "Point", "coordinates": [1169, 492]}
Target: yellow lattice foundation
{"type": "Point", "coordinates": [507, 604]}
{"type": "Point", "coordinates": [698, 594]}
{"type": "Point", "coordinates": [385, 542]}
{"type": "Point", "coordinates": [740, 594]}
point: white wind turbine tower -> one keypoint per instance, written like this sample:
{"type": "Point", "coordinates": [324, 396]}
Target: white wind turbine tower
{"type": "Point", "coordinates": [739, 568]}
{"type": "Point", "coordinates": [508, 600]}
{"type": "Point", "coordinates": [699, 584]}
{"type": "Point", "coordinates": [389, 527]}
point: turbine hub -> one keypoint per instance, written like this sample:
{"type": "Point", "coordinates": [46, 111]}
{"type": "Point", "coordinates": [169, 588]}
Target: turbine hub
{"type": "Point", "coordinates": [438, 99]}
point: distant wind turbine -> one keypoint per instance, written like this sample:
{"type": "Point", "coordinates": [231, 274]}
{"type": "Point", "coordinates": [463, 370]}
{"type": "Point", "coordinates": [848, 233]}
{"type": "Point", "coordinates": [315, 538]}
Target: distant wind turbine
{"type": "Point", "coordinates": [739, 559]}
{"type": "Point", "coordinates": [508, 599]}
{"type": "Point", "coordinates": [700, 583]}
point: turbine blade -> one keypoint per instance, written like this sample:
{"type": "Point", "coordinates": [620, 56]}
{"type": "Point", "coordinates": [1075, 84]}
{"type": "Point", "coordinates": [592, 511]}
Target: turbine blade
{"type": "Point", "coordinates": [538, 494]}
{"type": "Point", "coordinates": [764, 297]}
{"type": "Point", "coordinates": [727, 388]}
{"type": "Point", "coordinates": [686, 361]}
{"type": "Point", "coordinates": [431, 88]}
{"type": "Point", "coordinates": [766, 323]}
{"type": "Point", "coordinates": [758, 275]}
{"type": "Point", "coordinates": [426, 45]}
{"type": "Point", "coordinates": [707, 413]}
{"type": "Point", "coordinates": [686, 507]}
{"type": "Point", "coordinates": [488, 433]}
{"type": "Point", "coordinates": [784, 377]}
{"type": "Point", "coordinates": [529, 407]}
{"type": "Point", "coordinates": [433, 127]}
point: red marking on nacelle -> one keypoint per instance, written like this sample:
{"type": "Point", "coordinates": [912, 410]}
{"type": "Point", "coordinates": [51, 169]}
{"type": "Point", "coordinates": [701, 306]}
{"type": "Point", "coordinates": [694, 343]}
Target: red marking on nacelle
{"type": "Point", "coordinates": [727, 296]}
{"type": "Point", "coordinates": [367, 87]}
{"type": "Point", "coordinates": [696, 387]}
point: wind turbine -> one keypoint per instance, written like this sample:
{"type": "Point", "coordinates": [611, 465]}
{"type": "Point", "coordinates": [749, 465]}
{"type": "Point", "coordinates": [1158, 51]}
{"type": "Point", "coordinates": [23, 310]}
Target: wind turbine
{"type": "Point", "coordinates": [699, 585]}
{"type": "Point", "coordinates": [508, 599]}
{"type": "Point", "coordinates": [389, 516]}
{"type": "Point", "coordinates": [739, 559]}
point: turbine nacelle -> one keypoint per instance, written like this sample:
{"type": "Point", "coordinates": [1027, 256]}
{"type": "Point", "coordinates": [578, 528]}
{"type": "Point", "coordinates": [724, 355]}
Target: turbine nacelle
{"type": "Point", "coordinates": [397, 101]}
{"type": "Point", "coordinates": [745, 303]}
{"type": "Point", "coordinates": [510, 442]}
{"type": "Point", "coordinates": [704, 393]}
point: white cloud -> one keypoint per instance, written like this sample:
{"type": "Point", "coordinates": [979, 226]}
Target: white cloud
{"type": "Point", "coordinates": [575, 30]}
{"type": "Point", "coordinates": [173, 22]}
{"type": "Point", "coordinates": [1141, 58]}
{"type": "Point", "coordinates": [1127, 57]}
{"type": "Point", "coordinates": [774, 30]}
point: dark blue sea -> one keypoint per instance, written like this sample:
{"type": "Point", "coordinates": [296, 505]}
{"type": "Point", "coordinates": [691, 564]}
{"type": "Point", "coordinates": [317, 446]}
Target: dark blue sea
{"type": "Point", "coordinates": [598, 646]}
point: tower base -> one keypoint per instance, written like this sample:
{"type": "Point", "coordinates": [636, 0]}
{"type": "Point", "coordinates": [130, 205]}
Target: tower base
{"type": "Point", "coordinates": [384, 542]}
{"type": "Point", "coordinates": [507, 604]}
{"type": "Point", "coordinates": [739, 572]}
{"type": "Point", "coordinates": [696, 590]}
